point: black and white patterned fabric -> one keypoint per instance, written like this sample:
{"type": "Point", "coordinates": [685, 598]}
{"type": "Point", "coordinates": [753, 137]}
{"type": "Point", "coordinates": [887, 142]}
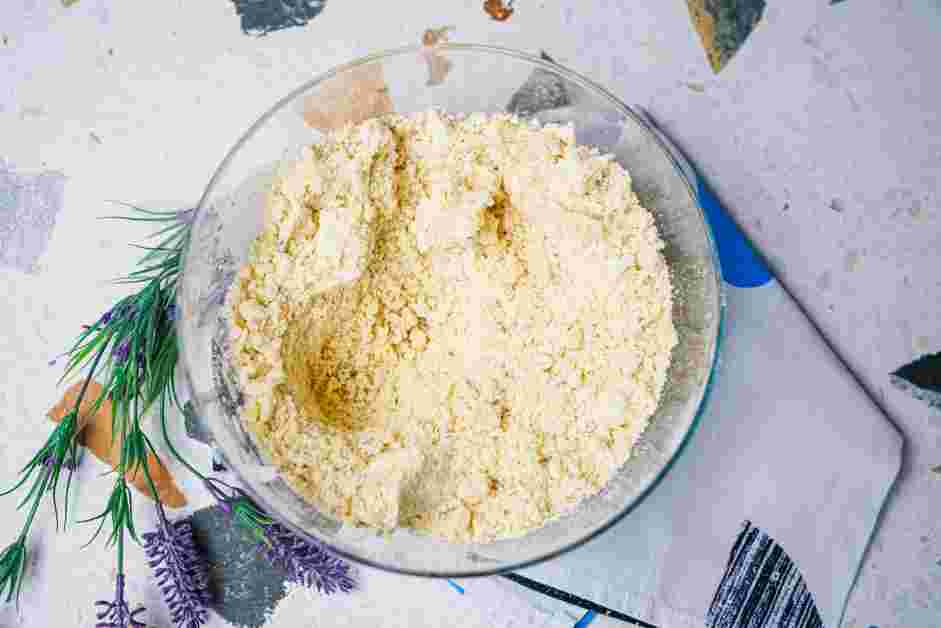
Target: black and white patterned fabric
{"type": "Point", "coordinates": [761, 588]}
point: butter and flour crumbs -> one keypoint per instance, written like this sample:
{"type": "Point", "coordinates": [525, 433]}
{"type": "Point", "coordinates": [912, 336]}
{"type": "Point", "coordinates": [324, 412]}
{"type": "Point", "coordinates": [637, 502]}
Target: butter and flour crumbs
{"type": "Point", "coordinates": [459, 325]}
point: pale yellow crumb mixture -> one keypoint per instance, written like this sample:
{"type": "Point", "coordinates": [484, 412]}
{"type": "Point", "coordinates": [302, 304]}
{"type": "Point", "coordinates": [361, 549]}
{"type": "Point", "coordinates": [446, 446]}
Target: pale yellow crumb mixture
{"type": "Point", "coordinates": [459, 325]}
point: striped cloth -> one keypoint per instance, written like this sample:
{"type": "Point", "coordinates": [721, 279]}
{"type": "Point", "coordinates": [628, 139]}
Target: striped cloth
{"type": "Point", "coordinates": [761, 587]}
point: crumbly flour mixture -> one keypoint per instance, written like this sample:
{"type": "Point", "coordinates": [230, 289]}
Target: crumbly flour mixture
{"type": "Point", "coordinates": [458, 325]}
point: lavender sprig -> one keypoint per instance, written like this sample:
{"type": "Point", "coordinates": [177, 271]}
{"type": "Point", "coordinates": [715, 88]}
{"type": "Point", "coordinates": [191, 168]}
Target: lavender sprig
{"type": "Point", "coordinates": [118, 614]}
{"type": "Point", "coordinates": [132, 349]}
{"type": "Point", "coordinates": [42, 473]}
{"type": "Point", "coordinates": [12, 567]}
{"type": "Point", "coordinates": [180, 572]}
{"type": "Point", "coordinates": [306, 562]}
{"type": "Point", "coordinates": [236, 503]}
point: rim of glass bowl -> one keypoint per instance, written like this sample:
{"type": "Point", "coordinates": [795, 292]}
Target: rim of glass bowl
{"type": "Point", "coordinates": [616, 103]}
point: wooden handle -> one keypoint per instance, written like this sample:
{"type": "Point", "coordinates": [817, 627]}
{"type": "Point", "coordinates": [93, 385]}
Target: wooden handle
{"type": "Point", "coordinates": [95, 434]}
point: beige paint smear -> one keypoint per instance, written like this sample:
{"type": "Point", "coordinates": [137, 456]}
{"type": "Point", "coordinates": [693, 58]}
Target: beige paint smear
{"type": "Point", "coordinates": [349, 98]}
{"type": "Point", "coordinates": [95, 434]}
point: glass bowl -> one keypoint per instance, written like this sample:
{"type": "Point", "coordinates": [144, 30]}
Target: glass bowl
{"type": "Point", "coordinates": [456, 78]}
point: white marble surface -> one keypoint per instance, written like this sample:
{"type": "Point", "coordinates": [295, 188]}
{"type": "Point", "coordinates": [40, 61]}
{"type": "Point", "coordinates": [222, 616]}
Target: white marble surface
{"type": "Point", "coordinates": [138, 101]}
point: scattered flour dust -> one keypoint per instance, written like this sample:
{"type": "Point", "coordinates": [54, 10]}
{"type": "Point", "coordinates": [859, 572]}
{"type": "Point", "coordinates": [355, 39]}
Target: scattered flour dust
{"type": "Point", "coordinates": [459, 325]}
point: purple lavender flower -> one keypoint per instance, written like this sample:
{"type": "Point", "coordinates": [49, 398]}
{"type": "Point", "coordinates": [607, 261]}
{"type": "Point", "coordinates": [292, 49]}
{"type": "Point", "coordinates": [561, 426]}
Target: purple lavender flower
{"type": "Point", "coordinates": [70, 462]}
{"type": "Point", "coordinates": [186, 216]}
{"type": "Point", "coordinates": [122, 350]}
{"type": "Point", "coordinates": [180, 572]}
{"type": "Point", "coordinates": [225, 494]}
{"type": "Point", "coordinates": [306, 562]}
{"type": "Point", "coordinates": [118, 614]}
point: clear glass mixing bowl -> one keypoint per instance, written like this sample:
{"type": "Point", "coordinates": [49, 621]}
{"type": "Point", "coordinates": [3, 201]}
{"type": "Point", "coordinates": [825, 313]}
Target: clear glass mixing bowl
{"type": "Point", "coordinates": [459, 79]}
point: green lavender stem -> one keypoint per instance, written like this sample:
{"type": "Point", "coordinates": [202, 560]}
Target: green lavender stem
{"type": "Point", "coordinates": [46, 465]}
{"type": "Point", "coordinates": [134, 345]}
{"type": "Point", "coordinates": [32, 510]}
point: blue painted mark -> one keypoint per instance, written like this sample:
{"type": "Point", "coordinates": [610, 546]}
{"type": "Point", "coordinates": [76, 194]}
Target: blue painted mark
{"type": "Point", "coordinates": [586, 619]}
{"type": "Point", "coordinates": [741, 265]}
{"type": "Point", "coordinates": [456, 586]}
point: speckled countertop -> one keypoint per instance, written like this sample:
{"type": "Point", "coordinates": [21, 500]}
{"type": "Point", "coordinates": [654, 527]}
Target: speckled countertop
{"type": "Point", "coordinates": [822, 135]}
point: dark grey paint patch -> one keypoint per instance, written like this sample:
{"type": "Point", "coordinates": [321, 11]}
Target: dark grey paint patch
{"type": "Point", "coordinates": [921, 379]}
{"type": "Point", "coordinates": [217, 464]}
{"type": "Point", "coordinates": [244, 586]}
{"type": "Point", "coordinates": [197, 430]}
{"type": "Point", "coordinates": [195, 426]}
{"type": "Point", "coordinates": [542, 90]}
{"type": "Point", "coordinates": [724, 25]}
{"type": "Point", "coordinates": [29, 205]}
{"type": "Point", "coordinates": [260, 17]}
